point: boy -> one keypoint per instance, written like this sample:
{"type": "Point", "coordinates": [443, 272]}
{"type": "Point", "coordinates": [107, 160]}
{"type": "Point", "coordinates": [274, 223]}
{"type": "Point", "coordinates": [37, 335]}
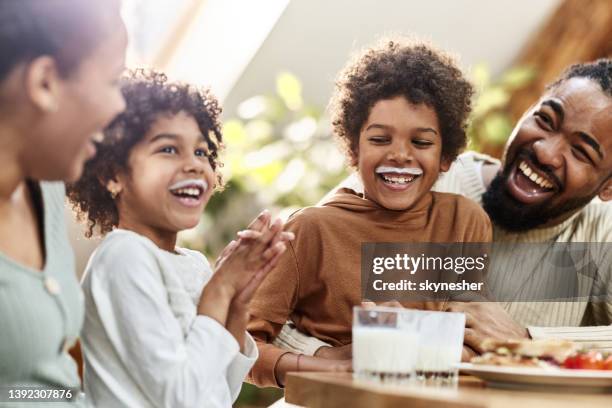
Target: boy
{"type": "Point", "coordinates": [400, 111]}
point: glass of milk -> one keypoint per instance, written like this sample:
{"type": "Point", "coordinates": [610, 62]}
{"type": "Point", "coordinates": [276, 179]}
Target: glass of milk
{"type": "Point", "coordinates": [385, 344]}
{"type": "Point", "coordinates": [440, 346]}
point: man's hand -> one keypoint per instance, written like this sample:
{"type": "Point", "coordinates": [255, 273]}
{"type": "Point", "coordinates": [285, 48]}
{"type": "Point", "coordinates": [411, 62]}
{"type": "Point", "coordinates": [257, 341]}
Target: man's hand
{"type": "Point", "coordinates": [467, 353]}
{"type": "Point", "coordinates": [484, 320]}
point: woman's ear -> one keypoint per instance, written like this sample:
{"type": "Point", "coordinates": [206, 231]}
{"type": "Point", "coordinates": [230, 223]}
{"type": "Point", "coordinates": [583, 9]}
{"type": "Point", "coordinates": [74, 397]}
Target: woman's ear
{"type": "Point", "coordinates": [605, 192]}
{"type": "Point", "coordinates": [42, 81]}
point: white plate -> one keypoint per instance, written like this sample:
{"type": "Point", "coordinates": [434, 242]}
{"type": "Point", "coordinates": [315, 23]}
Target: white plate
{"type": "Point", "coordinates": [534, 377]}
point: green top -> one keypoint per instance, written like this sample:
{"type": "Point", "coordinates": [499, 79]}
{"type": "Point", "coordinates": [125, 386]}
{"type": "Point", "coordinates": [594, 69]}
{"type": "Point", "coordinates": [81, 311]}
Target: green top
{"type": "Point", "coordinates": [41, 312]}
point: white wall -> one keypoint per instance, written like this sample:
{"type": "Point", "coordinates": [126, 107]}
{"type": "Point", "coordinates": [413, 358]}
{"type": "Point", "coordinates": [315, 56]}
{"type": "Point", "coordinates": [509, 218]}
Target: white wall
{"type": "Point", "coordinates": [313, 38]}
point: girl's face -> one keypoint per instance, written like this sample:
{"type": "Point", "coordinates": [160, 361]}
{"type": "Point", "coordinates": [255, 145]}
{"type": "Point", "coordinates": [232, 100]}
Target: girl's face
{"type": "Point", "coordinates": [79, 107]}
{"type": "Point", "coordinates": [170, 178]}
{"type": "Point", "coordinates": [400, 153]}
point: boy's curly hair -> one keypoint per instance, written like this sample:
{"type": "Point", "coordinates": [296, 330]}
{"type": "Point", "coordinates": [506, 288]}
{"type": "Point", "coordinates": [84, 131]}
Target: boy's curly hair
{"type": "Point", "coordinates": [408, 68]}
{"type": "Point", "coordinates": [148, 94]}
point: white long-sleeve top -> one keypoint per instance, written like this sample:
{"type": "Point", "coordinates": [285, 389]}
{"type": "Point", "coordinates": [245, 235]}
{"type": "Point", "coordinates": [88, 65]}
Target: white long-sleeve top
{"type": "Point", "coordinates": [143, 344]}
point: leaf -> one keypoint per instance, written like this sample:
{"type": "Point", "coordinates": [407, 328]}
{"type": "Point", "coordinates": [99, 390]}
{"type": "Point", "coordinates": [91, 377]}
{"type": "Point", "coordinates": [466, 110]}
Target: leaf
{"type": "Point", "coordinates": [289, 88]}
{"type": "Point", "coordinates": [489, 99]}
{"type": "Point", "coordinates": [481, 76]}
{"type": "Point", "coordinates": [258, 130]}
{"type": "Point", "coordinates": [496, 128]}
{"type": "Point", "coordinates": [518, 77]}
{"type": "Point", "coordinates": [301, 130]}
{"type": "Point", "coordinates": [234, 133]}
{"type": "Point", "coordinates": [266, 174]}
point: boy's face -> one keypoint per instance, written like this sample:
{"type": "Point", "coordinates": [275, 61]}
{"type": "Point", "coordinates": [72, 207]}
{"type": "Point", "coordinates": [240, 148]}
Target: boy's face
{"type": "Point", "coordinates": [400, 153]}
{"type": "Point", "coordinates": [170, 178]}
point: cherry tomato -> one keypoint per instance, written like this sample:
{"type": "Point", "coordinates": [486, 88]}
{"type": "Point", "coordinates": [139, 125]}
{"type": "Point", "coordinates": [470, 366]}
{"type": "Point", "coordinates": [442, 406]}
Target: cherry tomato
{"type": "Point", "coordinates": [571, 362]}
{"type": "Point", "coordinates": [607, 363]}
{"type": "Point", "coordinates": [591, 360]}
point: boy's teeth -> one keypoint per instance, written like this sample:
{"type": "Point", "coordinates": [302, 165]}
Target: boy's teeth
{"type": "Point", "coordinates": [398, 180]}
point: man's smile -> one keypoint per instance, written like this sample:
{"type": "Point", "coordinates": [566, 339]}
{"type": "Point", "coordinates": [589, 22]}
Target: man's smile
{"type": "Point", "coordinates": [529, 183]}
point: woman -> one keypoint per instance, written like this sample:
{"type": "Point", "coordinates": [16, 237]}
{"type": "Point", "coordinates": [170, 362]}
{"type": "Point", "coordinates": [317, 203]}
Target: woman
{"type": "Point", "coordinates": [61, 60]}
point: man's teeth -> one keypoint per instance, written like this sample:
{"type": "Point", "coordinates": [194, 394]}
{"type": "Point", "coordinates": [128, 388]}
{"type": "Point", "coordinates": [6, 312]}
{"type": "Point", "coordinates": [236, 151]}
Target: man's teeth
{"type": "Point", "coordinates": [398, 180]}
{"type": "Point", "coordinates": [533, 176]}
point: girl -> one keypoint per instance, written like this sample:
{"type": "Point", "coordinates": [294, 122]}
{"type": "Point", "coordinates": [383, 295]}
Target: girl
{"type": "Point", "coordinates": [161, 330]}
{"type": "Point", "coordinates": [53, 99]}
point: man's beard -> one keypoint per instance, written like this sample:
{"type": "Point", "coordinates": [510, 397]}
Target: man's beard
{"type": "Point", "coordinates": [512, 215]}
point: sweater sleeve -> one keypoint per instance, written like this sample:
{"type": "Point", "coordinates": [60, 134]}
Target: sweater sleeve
{"type": "Point", "coordinates": [172, 370]}
{"type": "Point", "coordinates": [240, 366]}
{"type": "Point", "coordinates": [270, 309]}
{"type": "Point", "coordinates": [290, 338]}
{"type": "Point", "coordinates": [598, 334]}
{"type": "Point", "coordinates": [597, 337]}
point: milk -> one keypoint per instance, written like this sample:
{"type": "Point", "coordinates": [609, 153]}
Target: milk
{"type": "Point", "coordinates": [437, 358]}
{"type": "Point", "coordinates": [384, 351]}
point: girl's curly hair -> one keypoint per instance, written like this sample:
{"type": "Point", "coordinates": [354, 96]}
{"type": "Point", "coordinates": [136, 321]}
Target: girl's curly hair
{"type": "Point", "coordinates": [401, 67]}
{"type": "Point", "coordinates": [148, 94]}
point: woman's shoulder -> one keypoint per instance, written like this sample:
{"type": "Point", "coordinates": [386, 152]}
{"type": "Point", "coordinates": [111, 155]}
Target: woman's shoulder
{"type": "Point", "coordinates": [53, 194]}
{"type": "Point", "coordinates": [54, 189]}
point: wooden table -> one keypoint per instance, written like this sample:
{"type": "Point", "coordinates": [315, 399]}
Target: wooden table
{"type": "Point", "coordinates": [329, 390]}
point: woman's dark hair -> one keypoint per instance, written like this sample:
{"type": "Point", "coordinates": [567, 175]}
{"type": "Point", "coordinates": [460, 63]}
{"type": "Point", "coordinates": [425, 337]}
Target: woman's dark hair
{"type": "Point", "coordinates": [66, 30]}
{"type": "Point", "coordinates": [400, 67]}
{"type": "Point", "coordinates": [148, 95]}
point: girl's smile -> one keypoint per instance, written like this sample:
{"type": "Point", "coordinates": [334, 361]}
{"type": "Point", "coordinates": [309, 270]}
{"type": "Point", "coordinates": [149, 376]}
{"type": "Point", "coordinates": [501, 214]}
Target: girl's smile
{"type": "Point", "coordinates": [190, 192]}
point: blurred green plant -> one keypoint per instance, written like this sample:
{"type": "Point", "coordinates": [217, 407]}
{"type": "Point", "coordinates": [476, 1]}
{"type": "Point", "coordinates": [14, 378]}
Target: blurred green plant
{"type": "Point", "coordinates": [490, 123]}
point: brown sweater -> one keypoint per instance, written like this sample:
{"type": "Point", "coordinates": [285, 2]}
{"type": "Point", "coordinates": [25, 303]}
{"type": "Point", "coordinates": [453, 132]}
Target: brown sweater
{"type": "Point", "coordinates": [317, 281]}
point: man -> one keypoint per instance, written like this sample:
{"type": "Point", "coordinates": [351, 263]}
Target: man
{"type": "Point", "coordinates": [551, 186]}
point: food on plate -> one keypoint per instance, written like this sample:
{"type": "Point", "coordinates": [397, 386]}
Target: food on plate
{"type": "Point", "coordinates": [549, 353]}
{"type": "Point", "coordinates": [589, 360]}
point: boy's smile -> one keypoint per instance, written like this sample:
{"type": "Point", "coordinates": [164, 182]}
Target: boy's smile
{"type": "Point", "coordinates": [400, 151]}
{"type": "Point", "coordinates": [398, 178]}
